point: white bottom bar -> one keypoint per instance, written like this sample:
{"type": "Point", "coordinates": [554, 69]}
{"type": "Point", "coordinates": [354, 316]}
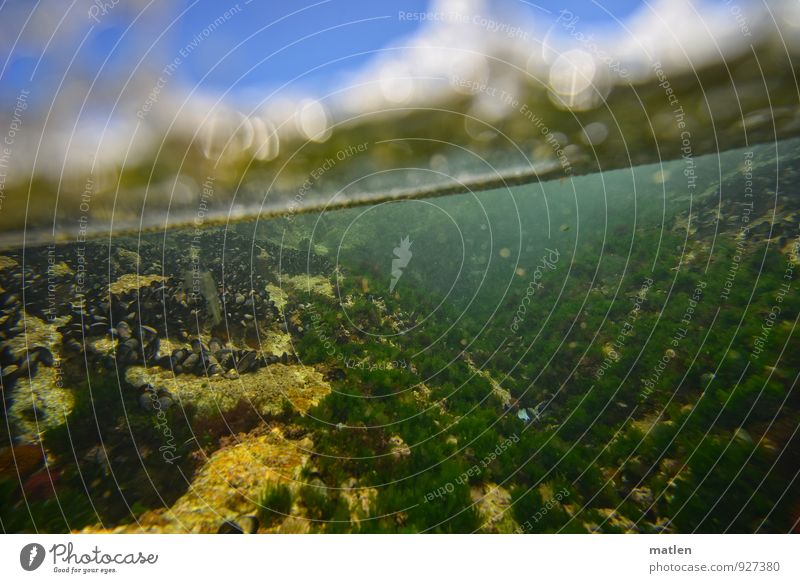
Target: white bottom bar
{"type": "Point", "coordinates": [390, 558]}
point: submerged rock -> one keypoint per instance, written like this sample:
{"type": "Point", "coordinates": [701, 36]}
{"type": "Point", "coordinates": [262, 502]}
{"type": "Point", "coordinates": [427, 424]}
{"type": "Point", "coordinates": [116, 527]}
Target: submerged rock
{"type": "Point", "coordinates": [265, 390]}
{"type": "Point", "coordinates": [229, 484]}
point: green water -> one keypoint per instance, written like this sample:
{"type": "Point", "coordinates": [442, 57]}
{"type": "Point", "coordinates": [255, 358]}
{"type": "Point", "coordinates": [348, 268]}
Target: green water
{"type": "Point", "coordinates": [613, 352]}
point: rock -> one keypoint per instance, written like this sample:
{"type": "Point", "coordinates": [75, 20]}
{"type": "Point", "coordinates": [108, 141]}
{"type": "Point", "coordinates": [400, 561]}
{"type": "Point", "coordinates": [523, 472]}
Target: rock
{"type": "Point", "coordinates": [198, 347]}
{"type": "Point", "coordinates": [98, 328]}
{"type": "Point", "coordinates": [74, 345]}
{"type": "Point", "coordinates": [246, 361]}
{"type": "Point", "coordinates": [191, 362]}
{"type": "Point", "coordinates": [147, 334]}
{"type": "Point", "coordinates": [151, 350]}
{"type": "Point", "coordinates": [131, 344]}
{"type": "Point", "coordinates": [225, 358]}
{"type": "Point", "coordinates": [165, 401]}
{"type": "Point", "coordinates": [230, 527]}
{"type": "Point", "coordinates": [642, 495]}
{"type": "Point", "coordinates": [45, 356]}
{"type": "Point", "coordinates": [146, 401]}
{"type": "Point", "coordinates": [10, 374]}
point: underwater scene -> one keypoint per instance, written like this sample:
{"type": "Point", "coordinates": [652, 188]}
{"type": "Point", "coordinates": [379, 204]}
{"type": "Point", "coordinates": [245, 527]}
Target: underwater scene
{"type": "Point", "coordinates": [614, 352]}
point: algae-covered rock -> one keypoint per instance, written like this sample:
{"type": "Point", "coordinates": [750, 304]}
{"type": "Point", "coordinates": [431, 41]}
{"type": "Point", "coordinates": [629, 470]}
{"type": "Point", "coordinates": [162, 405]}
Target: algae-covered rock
{"type": "Point", "coordinates": [133, 281]}
{"type": "Point", "coordinates": [227, 486]}
{"type": "Point", "coordinates": [264, 391]}
{"type": "Point", "coordinates": [7, 262]}
{"type": "Point", "coordinates": [39, 403]}
{"type": "Point", "coordinates": [39, 398]}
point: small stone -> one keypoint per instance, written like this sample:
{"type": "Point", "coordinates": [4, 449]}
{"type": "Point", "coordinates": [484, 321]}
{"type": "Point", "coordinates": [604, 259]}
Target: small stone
{"type": "Point", "coordinates": [97, 328]}
{"type": "Point", "coordinates": [230, 527]}
{"type": "Point", "coordinates": [148, 333]}
{"type": "Point", "coordinates": [74, 345]}
{"type": "Point", "coordinates": [131, 344]}
{"type": "Point", "coordinates": [191, 362]}
{"type": "Point", "coordinates": [146, 401]}
{"type": "Point", "coordinates": [198, 346]}
{"type": "Point", "coordinates": [246, 361]}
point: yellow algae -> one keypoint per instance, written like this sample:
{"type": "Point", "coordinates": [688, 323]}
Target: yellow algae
{"type": "Point", "coordinates": [493, 504]}
{"type": "Point", "coordinates": [273, 342]}
{"type": "Point", "coordinates": [318, 284]}
{"type": "Point", "coordinates": [278, 296]}
{"type": "Point", "coordinates": [60, 270]}
{"type": "Point", "coordinates": [503, 394]}
{"type": "Point", "coordinates": [792, 250]}
{"type": "Point", "coordinates": [293, 525]}
{"type": "Point", "coordinates": [263, 254]}
{"type": "Point", "coordinates": [264, 391]}
{"type": "Point", "coordinates": [300, 284]}
{"type": "Point", "coordinates": [399, 447]}
{"type": "Point", "coordinates": [647, 423]}
{"type": "Point", "coordinates": [104, 345]}
{"type": "Point", "coordinates": [685, 224]}
{"type": "Point", "coordinates": [39, 404]}
{"type": "Point", "coordinates": [6, 262]}
{"type": "Point", "coordinates": [610, 352]}
{"type": "Point", "coordinates": [167, 346]}
{"type": "Point", "coordinates": [36, 333]}
{"type": "Point", "coordinates": [360, 501]}
{"type": "Point", "coordinates": [227, 486]}
{"type": "Point", "coordinates": [134, 281]}
{"type": "Point", "coordinates": [616, 520]}
{"type": "Point", "coordinates": [546, 491]}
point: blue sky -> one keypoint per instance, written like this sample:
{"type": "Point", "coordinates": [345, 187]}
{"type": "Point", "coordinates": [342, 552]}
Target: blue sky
{"type": "Point", "coordinates": [353, 37]}
{"type": "Point", "coordinates": [349, 39]}
{"type": "Point", "coordinates": [241, 71]}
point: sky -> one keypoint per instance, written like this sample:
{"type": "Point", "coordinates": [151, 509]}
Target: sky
{"type": "Point", "coordinates": [364, 27]}
{"type": "Point", "coordinates": [267, 43]}
{"type": "Point", "coordinates": [93, 70]}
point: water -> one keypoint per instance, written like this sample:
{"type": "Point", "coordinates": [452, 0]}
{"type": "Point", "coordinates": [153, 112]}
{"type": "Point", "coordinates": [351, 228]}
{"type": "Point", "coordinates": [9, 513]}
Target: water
{"type": "Point", "coordinates": [611, 352]}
